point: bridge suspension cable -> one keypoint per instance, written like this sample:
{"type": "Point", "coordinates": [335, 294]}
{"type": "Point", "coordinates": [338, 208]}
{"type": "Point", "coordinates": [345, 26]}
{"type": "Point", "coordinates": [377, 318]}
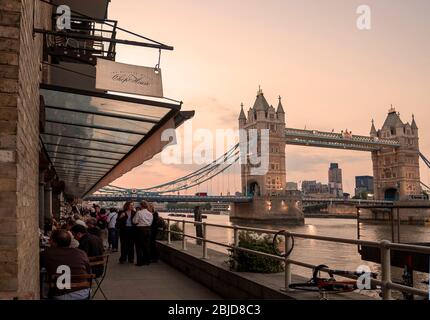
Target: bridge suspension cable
{"type": "Point", "coordinates": [193, 179]}
{"type": "Point", "coordinates": [426, 161]}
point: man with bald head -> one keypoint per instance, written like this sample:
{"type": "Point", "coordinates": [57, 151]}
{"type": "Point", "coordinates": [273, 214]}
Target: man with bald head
{"type": "Point", "coordinates": [59, 254]}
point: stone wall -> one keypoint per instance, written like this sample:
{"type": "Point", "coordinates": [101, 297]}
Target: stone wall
{"type": "Point", "coordinates": [271, 210]}
{"type": "Point", "coordinates": [20, 74]}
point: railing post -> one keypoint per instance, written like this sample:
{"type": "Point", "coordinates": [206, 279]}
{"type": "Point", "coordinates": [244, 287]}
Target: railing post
{"type": "Point", "coordinates": [385, 269]}
{"type": "Point", "coordinates": [184, 239]}
{"type": "Point", "coordinates": [169, 238]}
{"type": "Point", "coordinates": [205, 246]}
{"type": "Point", "coordinates": [235, 245]}
{"type": "Point", "coordinates": [288, 247]}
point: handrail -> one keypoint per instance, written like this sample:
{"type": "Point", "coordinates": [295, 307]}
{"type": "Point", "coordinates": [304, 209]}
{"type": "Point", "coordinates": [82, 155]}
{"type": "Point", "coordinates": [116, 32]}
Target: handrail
{"type": "Point", "coordinates": [337, 136]}
{"type": "Point", "coordinates": [386, 282]}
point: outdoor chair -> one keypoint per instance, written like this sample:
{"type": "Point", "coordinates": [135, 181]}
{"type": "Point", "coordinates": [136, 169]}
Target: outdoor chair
{"type": "Point", "coordinates": [78, 282]}
{"type": "Point", "coordinates": [99, 267]}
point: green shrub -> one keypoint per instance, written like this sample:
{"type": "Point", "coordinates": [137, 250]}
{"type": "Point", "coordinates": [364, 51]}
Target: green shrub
{"type": "Point", "coordinates": [247, 262]}
{"type": "Point", "coordinates": [162, 235]}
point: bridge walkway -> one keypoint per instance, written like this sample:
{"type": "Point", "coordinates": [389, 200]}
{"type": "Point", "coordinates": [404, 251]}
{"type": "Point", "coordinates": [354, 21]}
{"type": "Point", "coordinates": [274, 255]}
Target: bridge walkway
{"type": "Point", "coordinates": [157, 281]}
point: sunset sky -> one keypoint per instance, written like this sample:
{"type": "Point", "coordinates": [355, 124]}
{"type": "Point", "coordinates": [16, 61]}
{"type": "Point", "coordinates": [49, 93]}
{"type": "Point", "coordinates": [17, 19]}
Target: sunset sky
{"type": "Point", "coordinates": [330, 74]}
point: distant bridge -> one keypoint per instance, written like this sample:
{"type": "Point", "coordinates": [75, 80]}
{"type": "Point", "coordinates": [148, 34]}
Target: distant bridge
{"type": "Point", "coordinates": [169, 198]}
{"type": "Point", "coordinates": [306, 202]}
{"type": "Point", "coordinates": [225, 199]}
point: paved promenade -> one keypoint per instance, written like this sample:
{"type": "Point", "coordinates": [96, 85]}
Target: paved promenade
{"type": "Point", "coordinates": [157, 281]}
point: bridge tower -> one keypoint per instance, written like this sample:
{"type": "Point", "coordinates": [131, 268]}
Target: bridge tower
{"type": "Point", "coordinates": [264, 116]}
{"type": "Point", "coordinates": [396, 171]}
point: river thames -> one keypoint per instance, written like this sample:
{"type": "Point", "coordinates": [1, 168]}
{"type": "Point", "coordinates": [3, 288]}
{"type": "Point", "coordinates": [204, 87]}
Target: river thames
{"type": "Point", "coordinates": [334, 255]}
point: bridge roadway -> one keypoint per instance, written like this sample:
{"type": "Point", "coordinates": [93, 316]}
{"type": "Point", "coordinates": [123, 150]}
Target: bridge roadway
{"type": "Point", "coordinates": [347, 141]}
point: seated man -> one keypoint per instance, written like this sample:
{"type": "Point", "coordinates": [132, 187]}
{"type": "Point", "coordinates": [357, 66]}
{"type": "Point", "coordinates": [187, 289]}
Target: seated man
{"type": "Point", "coordinates": [93, 228]}
{"type": "Point", "coordinates": [91, 244]}
{"type": "Point", "coordinates": [60, 254]}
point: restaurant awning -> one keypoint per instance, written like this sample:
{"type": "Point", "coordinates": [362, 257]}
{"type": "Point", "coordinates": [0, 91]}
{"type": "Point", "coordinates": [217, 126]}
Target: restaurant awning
{"type": "Point", "coordinates": [92, 138]}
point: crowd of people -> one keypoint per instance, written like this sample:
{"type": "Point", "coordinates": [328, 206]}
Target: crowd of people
{"type": "Point", "coordinates": [92, 233]}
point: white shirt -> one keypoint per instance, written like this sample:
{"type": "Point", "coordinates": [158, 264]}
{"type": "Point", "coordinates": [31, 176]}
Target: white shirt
{"type": "Point", "coordinates": [143, 218]}
{"type": "Point", "coordinates": [112, 219]}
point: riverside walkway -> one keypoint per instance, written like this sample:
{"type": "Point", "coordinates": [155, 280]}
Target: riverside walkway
{"type": "Point", "coordinates": [157, 281]}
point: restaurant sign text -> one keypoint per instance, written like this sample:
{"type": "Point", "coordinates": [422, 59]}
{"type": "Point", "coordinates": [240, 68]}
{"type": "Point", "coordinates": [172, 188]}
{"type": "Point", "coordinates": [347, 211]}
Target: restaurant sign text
{"type": "Point", "coordinates": [126, 78]}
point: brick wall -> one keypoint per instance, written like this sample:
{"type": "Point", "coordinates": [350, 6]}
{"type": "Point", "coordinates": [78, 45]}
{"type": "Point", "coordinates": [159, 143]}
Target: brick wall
{"type": "Point", "coordinates": [20, 56]}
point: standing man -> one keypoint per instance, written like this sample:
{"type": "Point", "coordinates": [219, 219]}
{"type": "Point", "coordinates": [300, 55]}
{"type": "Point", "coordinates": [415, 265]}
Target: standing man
{"type": "Point", "coordinates": [126, 232]}
{"type": "Point", "coordinates": [157, 223]}
{"type": "Point", "coordinates": [143, 221]}
{"type": "Point", "coordinates": [199, 228]}
{"type": "Point", "coordinates": [103, 226]}
{"type": "Point", "coordinates": [113, 233]}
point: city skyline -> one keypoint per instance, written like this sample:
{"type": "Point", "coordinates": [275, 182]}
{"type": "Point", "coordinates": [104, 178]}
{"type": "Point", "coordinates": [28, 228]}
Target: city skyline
{"type": "Point", "coordinates": [354, 77]}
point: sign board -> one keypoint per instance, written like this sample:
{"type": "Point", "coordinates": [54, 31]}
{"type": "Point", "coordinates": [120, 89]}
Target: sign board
{"type": "Point", "coordinates": [126, 78]}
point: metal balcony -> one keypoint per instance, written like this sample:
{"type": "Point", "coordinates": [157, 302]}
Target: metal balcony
{"type": "Point", "coordinates": [87, 40]}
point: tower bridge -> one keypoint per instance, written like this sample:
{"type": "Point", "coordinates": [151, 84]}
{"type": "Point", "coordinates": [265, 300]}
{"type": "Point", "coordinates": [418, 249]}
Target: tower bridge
{"type": "Point", "coordinates": [394, 150]}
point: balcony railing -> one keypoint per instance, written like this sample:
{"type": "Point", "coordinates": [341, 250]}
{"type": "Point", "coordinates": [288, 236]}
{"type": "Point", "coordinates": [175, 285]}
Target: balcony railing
{"type": "Point", "coordinates": [386, 282]}
{"type": "Point", "coordinates": [87, 40]}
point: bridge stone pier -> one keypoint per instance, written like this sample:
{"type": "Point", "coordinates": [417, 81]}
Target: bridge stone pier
{"type": "Point", "coordinates": [285, 209]}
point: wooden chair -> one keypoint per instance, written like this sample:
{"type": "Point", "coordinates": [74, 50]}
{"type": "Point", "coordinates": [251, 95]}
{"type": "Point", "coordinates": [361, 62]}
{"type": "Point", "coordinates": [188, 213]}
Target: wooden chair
{"type": "Point", "coordinates": [13, 295]}
{"type": "Point", "coordinates": [98, 264]}
{"type": "Point", "coordinates": [78, 282]}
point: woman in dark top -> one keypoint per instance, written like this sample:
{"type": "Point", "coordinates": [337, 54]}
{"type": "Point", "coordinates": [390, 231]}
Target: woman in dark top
{"type": "Point", "coordinates": [126, 232]}
{"type": "Point", "coordinates": [154, 231]}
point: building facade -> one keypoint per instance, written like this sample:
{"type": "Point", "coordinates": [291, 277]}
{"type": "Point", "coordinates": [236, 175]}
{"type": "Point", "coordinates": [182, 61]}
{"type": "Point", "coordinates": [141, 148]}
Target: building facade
{"type": "Point", "coordinates": [363, 184]}
{"type": "Point", "coordinates": [264, 116]}
{"type": "Point", "coordinates": [397, 170]}
{"type": "Point", "coordinates": [61, 138]}
{"type": "Point", "coordinates": [312, 187]}
{"type": "Point", "coordinates": [335, 180]}
{"type": "Point", "coordinates": [20, 76]}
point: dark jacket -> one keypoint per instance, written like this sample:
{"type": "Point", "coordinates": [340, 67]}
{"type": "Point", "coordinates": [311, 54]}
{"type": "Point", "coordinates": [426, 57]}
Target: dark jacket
{"type": "Point", "coordinates": [91, 245]}
{"type": "Point", "coordinates": [122, 219]}
{"type": "Point", "coordinates": [54, 257]}
{"type": "Point", "coordinates": [96, 231]}
{"type": "Point", "coordinates": [155, 222]}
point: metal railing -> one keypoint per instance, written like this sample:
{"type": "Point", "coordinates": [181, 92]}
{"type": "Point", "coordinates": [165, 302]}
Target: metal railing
{"type": "Point", "coordinates": [385, 247]}
{"type": "Point", "coordinates": [87, 37]}
{"type": "Point", "coordinates": [290, 132]}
